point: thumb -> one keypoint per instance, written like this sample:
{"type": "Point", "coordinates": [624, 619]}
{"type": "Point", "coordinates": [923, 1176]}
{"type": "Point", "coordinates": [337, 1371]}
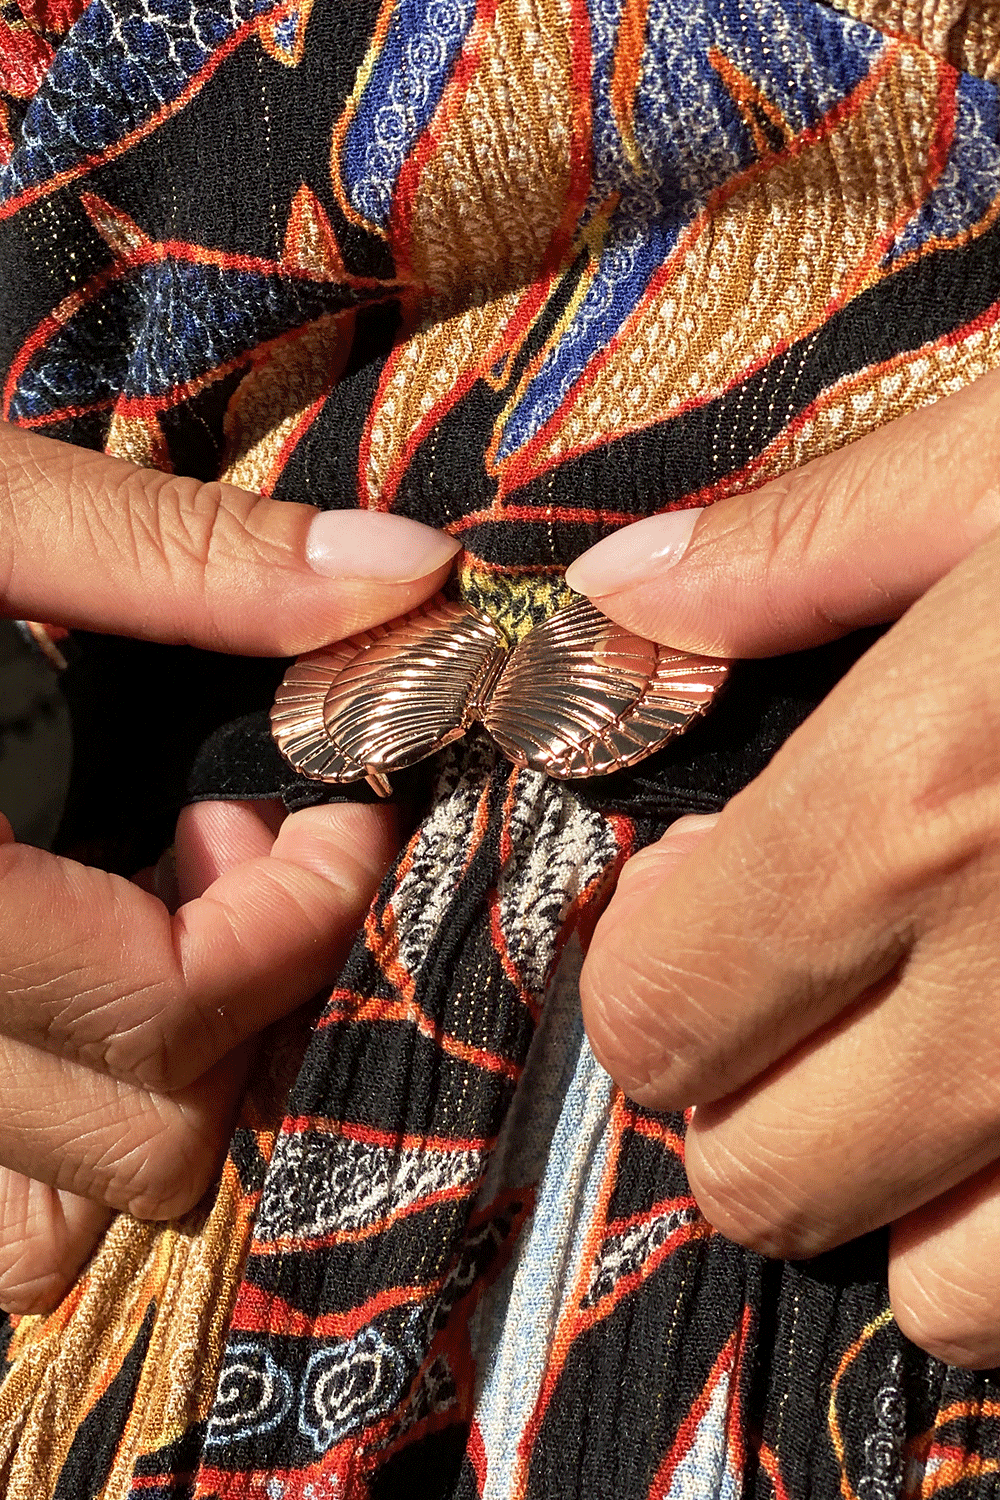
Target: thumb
{"type": "Point", "coordinates": [92, 541]}
{"type": "Point", "coordinates": [851, 539]}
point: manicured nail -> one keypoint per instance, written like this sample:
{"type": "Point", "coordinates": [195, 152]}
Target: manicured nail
{"type": "Point", "coordinates": [634, 554]}
{"type": "Point", "coordinates": [375, 545]}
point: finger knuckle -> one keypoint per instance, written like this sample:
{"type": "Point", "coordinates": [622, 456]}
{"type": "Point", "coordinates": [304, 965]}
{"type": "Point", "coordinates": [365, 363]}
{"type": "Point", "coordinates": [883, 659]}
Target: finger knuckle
{"type": "Point", "coordinates": [181, 522]}
{"type": "Point", "coordinates": [38, 1260]}
{"type": "Point", "coordinates": [198, 530]}
{"type": "Point", "coordinates": [11, 539]}
{"type": "Point", "coordinates": [946, 1314]}
{"type": "Point", "coordinates": [933, 845]}
{"type": "Point", "coordinates": [730, 1200]}
{"type": "Point", "coordinates": [798, 512]}
{"type": "Point", "coordinates": [636, 1016]}
{"type": "Point", "coordinates": [660, 1019]}
{"type": "Point", "coordinates": [350, 846]}
{"type": "Point", "coordinates": [166, 1053]}
{"type": "Point", "coordinates": [156, 1036]}
{"type": "Point", "coordinates": [754, 1199]}
{"type": "Point", "coordinates": [24, 1290]}
{"type": "Point", "coordinates": [934, 766]}
{"type": "Point", "coordinates": [212, 523]}
{"type": "Point", "coordinates": [172, 1164]}
{"type": "Point", "coordinates": [107, 516]}
{"type": "Point", "coordinates": [17, 862]}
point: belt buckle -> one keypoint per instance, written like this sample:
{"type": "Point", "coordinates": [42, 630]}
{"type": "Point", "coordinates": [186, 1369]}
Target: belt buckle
{"type": "Point", "coordinates": [578, 696]}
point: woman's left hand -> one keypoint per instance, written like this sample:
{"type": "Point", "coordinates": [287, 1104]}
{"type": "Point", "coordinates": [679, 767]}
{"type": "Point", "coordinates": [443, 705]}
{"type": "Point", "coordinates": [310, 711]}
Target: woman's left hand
{"type": "Point", "coordinates": [818, 969]}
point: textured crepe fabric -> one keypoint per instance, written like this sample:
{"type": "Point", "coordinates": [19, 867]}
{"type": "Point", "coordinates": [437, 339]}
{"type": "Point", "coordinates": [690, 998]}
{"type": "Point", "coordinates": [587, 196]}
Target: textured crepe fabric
{"type": "Point", "coordinates": [525, 269]}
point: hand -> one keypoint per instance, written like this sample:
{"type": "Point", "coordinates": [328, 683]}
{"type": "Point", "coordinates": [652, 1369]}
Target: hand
{"type": "Point", "coordinates": [124, 1028]}
{"type": "Point", "coordinates": [817, 969]}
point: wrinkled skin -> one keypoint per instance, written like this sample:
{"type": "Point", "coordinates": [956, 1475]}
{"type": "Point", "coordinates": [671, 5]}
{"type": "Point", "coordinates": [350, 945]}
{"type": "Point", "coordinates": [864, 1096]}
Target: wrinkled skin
{"type": "Point", "coordinates": [126, 1022]}
{"type": "Point", "coordinates": [817, 969]}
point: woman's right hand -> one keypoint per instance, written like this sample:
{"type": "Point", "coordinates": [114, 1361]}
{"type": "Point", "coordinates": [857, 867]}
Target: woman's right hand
{"type": "Point", "coordinates": [123, 1025]}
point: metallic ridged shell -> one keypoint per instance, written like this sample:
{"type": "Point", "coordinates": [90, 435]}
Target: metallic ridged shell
{"type": "Point", "coordinates": [297, 716]}
{"type": "Point", "coordinates": [388, 697]}
{"type": "Point", "coordinates": [581, 696]}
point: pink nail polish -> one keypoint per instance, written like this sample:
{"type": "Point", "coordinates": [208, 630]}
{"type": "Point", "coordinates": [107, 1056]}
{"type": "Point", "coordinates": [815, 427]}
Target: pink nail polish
{"type": "Point", "coordinates": [634, 554]}
{"type": "Point", "coordinates": [375, 545]}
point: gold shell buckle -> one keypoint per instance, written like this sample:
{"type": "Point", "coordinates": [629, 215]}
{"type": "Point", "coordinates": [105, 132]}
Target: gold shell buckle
{"type": "Point", "coordinates": [578, 696]}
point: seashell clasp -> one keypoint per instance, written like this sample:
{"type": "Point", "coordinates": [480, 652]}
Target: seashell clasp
{"type": "Point", "coordinates": [578, 696]}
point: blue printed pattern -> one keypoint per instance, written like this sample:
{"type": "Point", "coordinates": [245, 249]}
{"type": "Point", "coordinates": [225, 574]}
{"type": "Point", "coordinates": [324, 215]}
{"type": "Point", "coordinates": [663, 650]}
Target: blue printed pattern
{"type": "Point", "coordinates": [196, 319]}
{"type": "Point", "coordinates": [399, 99]}
{"type": "Point", "coordinates": [691, 140]}
{"type": "Point", "coordinates": [968, 186]}
{"type": "Point", "coordinates": [123, 64]}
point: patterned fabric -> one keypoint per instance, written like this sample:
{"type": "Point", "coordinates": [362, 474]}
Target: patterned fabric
{"type": "Point", "coordinates": [525, 269]}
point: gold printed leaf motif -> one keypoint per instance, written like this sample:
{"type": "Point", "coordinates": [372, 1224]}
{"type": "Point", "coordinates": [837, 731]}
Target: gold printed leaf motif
{"type": "Point", "coordinates": [579, 696]}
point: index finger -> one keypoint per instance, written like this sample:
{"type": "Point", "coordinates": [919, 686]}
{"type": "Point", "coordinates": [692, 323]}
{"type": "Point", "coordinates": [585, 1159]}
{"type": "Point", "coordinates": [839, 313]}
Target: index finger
{"type": "Point", "coordinates": [92, 541]}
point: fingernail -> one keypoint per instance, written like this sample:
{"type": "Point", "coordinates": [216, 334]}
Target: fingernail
{"type": "Point", "coordinates": [633, 554]}
{"type": "Point", "coordinates": [375, 545]}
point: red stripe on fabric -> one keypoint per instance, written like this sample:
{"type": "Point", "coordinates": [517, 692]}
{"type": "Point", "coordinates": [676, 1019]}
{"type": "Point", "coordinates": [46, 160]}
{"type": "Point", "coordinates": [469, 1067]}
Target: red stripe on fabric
{"type": "Point", "coordinates": [370, 1136]}
{"type": "Point", "coordinates": [475, 1452]}
{"type": "Point", "coordinates": [257, 1311]}
{"type": "Point", "coordinates": [769, 1463]}
{"type": "Point", "coordinates": [150, 252]}
{"type": "Point", "coordinates": [643, 1216]}
{"type": "Point", "coordinates": [292, 441]}
{"type": "Point", "coordinates": [688, 1430]}
{"type": "Point", "coordinates": [48, 328]}
{"type": "Point", "coordinates": [944, 134]}
{"type": "Point", "coordinates": [656, 1130]}
{"type": "Point", "coordinates": [409, 1010]}
{"type": "Point", "coordinates": [626, 74]}
{"type": "Point", "coordinates": [499, 940]}
{"type": "Point", "coordinates": [52, 15]}
{"type": "Point", "coordinates": [686, 1234]}
{"type": "Point", "coordinates": [541, 515]}
{"type": "Point", "coordinates": [167, 1482]}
